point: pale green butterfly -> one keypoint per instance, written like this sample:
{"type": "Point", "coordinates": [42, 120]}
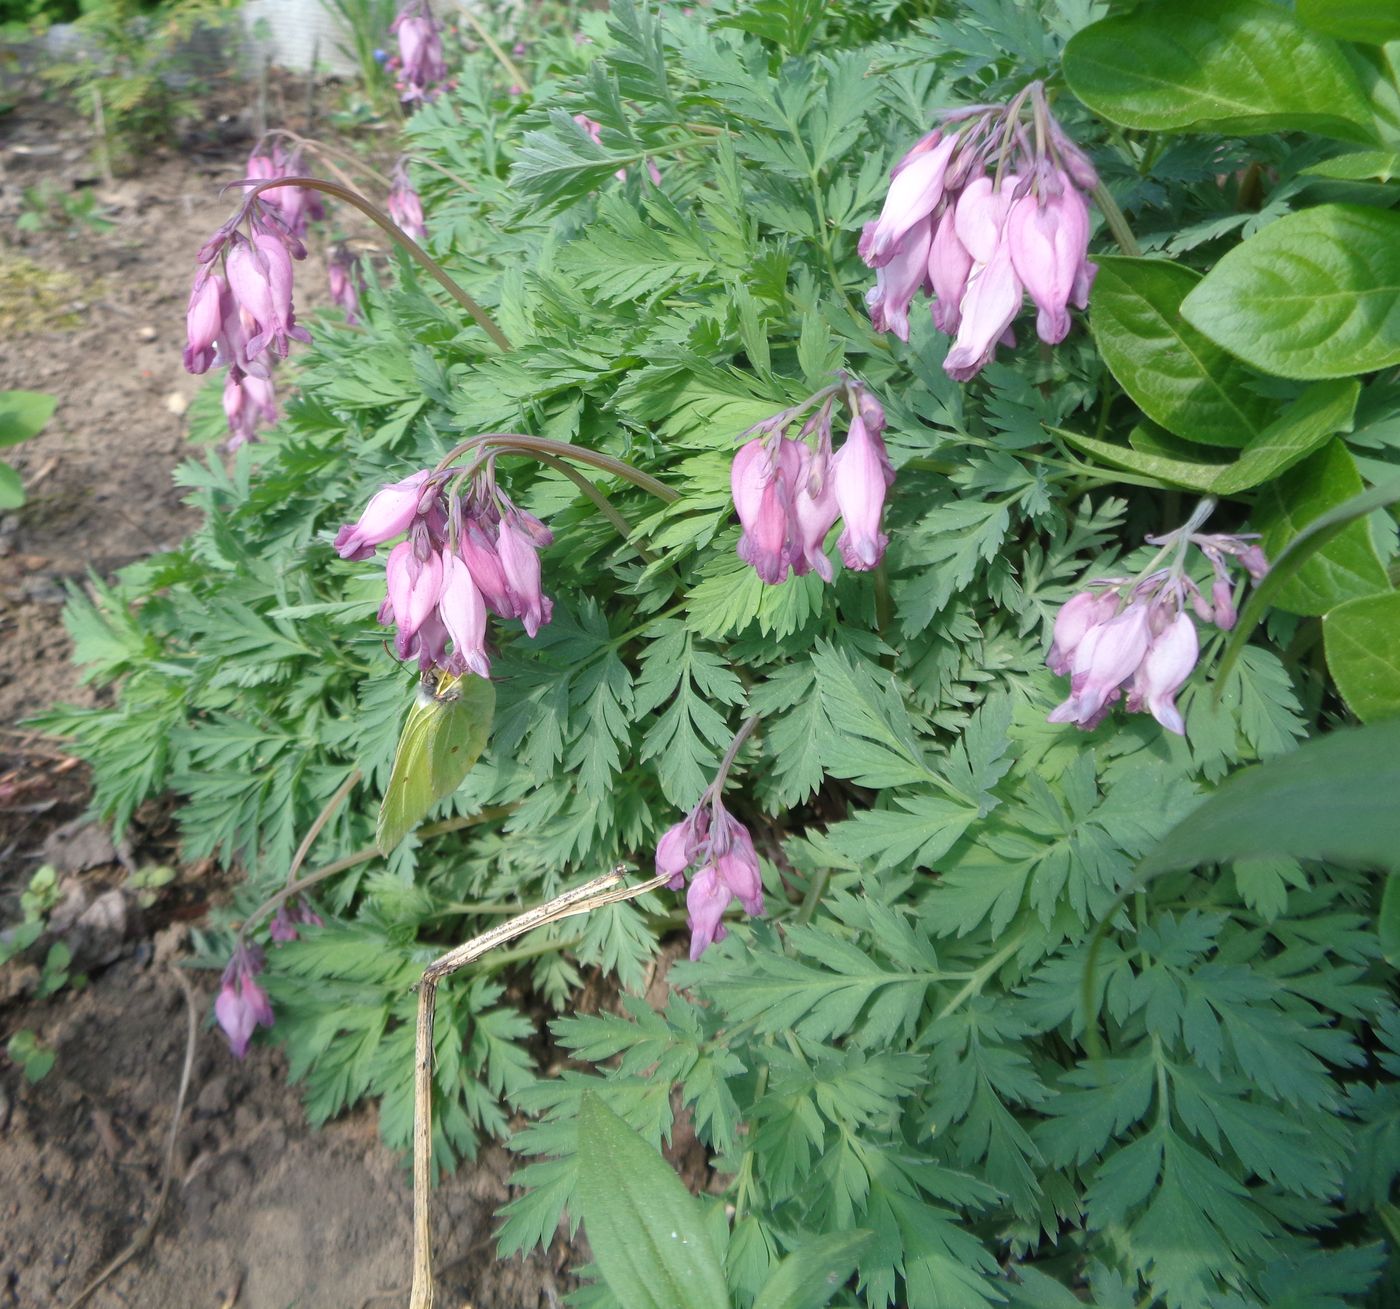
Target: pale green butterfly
{"type": "Point", "coordinates": [445, 732]}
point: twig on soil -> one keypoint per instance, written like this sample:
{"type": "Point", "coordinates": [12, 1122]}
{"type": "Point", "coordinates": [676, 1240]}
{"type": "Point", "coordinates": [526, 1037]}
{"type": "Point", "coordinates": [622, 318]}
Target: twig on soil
{"type": "Point", "coordinates": [143, 1238]}
{"type": "Point", "coordinates": [581, 900]}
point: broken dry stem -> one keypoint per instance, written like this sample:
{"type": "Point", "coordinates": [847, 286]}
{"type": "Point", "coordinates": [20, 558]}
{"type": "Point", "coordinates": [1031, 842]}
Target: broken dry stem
{"type": "Point", "coordinates": [583, 899]}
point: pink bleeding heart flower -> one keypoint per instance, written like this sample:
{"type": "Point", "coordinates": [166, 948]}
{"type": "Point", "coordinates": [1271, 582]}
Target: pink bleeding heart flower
{"type": "Point", "coordinates": [899, 280]}
{"type": "Point", "coordinates": [705, 902]}
{"type": "Point", "coordinates": [1048, 237]}
{"type": "Point", "coordinates": [415, 586]}
{"type": "Point", "coordinates": [242, 1005]}
{"type": "Point", "coordinates": [388, 514]}
{"type": "Point", "coordinates": [1169, 661]}
{"type": "Point", "coordinates": [1106, 657]}
{"type": "Point", "coordinates": [520, 565]}
{"type": "Point", "coordinates": [762, 480]}
{"type": "Point", "coordinates": [861, 475]}
{"type": "Point", "coordinates": [949, 265]}
{"type": "Point", "coordinates": [463, 613]}
{"type": "Point", "coordinates": [1077, 615]}
{"type": "Point", "coordinates": [916, 187]}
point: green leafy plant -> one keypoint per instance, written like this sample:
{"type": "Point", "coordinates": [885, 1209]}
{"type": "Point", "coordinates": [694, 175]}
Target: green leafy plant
{"type": "Point", "coordinates": [968, 1022]}
{"type": "Point", "coordinates": [131, 75]}
{"type": "Point", "coordinates": [23, 414]}
{"type": "Point", "coordinates": [34, 1058]}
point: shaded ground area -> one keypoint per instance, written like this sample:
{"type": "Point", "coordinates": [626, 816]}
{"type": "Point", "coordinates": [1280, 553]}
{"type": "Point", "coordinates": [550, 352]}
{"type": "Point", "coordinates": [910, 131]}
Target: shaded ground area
{"type": "Point", "coordinates": [263, 1212]}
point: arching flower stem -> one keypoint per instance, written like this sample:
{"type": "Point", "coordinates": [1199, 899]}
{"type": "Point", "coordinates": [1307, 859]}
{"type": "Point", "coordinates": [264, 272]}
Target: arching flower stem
{"type": "Point", "coordinates": [396, 233]}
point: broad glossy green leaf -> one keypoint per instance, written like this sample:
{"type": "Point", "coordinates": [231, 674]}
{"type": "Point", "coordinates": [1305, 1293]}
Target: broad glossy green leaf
{"type": "Point", "coordinates": [1316, 294]}
{"type": "Point", "coordinates": [1345, 566]}
{"type": "Point", "coordinates": [648, 1233]}
{"type": "Point", "coordinates": [1321, 411]}
{"type": "Point", "coordinates": [11, 488]}
{"type": "Point", "coordinates": [446, 730]}
{"type": "Point", "coordinates": [1371, 21]}
{"type": "Point", "coordinates": [1362, 639]}
{"type": "Point", "coordinates": [814, 1272]}
{"type": "Point", "coordinates": [1388, 920]}
{"type": "Point", "coordinates": [1333, 798]}
{"type": "Point", "coordinates": [23, 414]}
{"type": "Point", "coordinates": [1300, 550]}
{"type": "Point", "coordinates": [1239, 66]}
{"type": "Point", "coordinates": [1359, 166]}
{"type": "Point", "coordinates": [1166, 469]}
{"type": "Point", "coordinates": [1175, 375]}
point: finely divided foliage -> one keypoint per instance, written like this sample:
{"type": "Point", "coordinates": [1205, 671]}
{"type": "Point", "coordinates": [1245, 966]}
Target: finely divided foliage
{"type": "Point", "coordinates": [962, 1023]}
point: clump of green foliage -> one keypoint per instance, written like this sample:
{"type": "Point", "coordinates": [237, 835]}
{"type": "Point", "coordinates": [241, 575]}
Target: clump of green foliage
{"type": "Point", "coordinates": [131, 72]}
{"type": "Point", "coordinates": [967, 1027]}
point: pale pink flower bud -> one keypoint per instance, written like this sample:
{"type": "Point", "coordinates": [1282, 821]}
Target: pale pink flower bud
{"type": "Point", "coordinates": [814, 511]}
{"type": "Point", "coordinates": [948, 267]}
{"type": "Point", "coordinates": [1168, 663]}
{"type": "Point", "coordinates": [520, 565]}
{"type": "Point", "coordinates": [1049, 241]}
{"type": "Point", "coordinates": [980, 216]}
{"type": "Point", "coordinates": [406, 209]}
{"type": "Point", "coordinates": [861, 474]}
{"type": "Point", "coordinates": [1106, 656]}
{"type": "Point", "coordinates": [1255, 562]}
{"type": "Point", "coordinates": [1081, 172]}
{"type": "Point", "coordinates": [706, 901]}
{"type": "Point", "coordinates": [762, 481]}
{"type": "Point", "coordinates": [915, 190]}
{"type": "Point", "coordinates": [673, 853]}
{"type": "Point", "coordinates": [389, 513]}
{"type": "Point", "coordinates": [204, 319]}
{"type": "Point", "coordinates": [1222, 600]}
{"type": "Point", "coordinates": [463, 613]}
{"type": "Point", "coordinates": [415, 586]}
{"type": "Point", "coordinates": [485, 567]}
{"type": "Point", "coordinates": [282, 929]}
{"type": "Point", "coordinates": [1077, 615]}
{"type": "Point", "coordinates": [992, 300]}
{"type": "Point", "coordinates": [342, 275]}
{"type": "Point", "coordinates": [242, 1005]}
{"type": "Point", "coordinates": [898, 281]}
{"type": "Point", "coordinates": [736, 863]}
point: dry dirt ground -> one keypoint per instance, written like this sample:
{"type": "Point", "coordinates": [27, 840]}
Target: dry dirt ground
{"type": "Point", "coordinates": [263, 1213]}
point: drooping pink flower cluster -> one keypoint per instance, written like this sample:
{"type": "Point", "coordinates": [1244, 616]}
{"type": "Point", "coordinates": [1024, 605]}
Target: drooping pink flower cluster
{"type": "Point", "coordinates": [291, 915]}
{"type": "Point", "coordinates": [419, 67]}
{"type": "Point", "coordinates": [979, 214]}
{"type": "Point", "coordinates": [465, 554]}
{"type": "Point", "coordinates": [240, 313]}
{"type": "Point", "coordinates": [1133, 636]}
{"type": "Point", "coordinates": [789, 492]}
{"type": "Point", "coordinates": [242, 1005]}
{"type": "Point", "coordinates": [711, 839]}
{"type": "Point", "coordinates": [405, 208]}
{"type": "Point", "coordinates": [297, 206]}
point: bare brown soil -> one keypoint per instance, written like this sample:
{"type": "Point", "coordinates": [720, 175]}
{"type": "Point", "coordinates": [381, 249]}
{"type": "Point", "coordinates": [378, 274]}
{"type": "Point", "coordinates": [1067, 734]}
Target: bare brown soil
{"type": "Point", "coordinates": [263, 1212]}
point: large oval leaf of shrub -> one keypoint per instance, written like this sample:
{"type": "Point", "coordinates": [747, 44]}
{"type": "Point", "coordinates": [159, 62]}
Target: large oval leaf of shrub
{"type": "Point", "coordinates": [1176, 376]}
{"type": "Point", "coordinates": [1225, 65]}
{"type": "Point", "coordinates": [1313, 295]}
{"type": "Point", "coordinates": [1362, 638]}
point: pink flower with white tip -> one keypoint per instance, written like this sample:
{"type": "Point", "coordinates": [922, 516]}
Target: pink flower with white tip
{"type": "Point", "coordinates": [1135, 637]}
